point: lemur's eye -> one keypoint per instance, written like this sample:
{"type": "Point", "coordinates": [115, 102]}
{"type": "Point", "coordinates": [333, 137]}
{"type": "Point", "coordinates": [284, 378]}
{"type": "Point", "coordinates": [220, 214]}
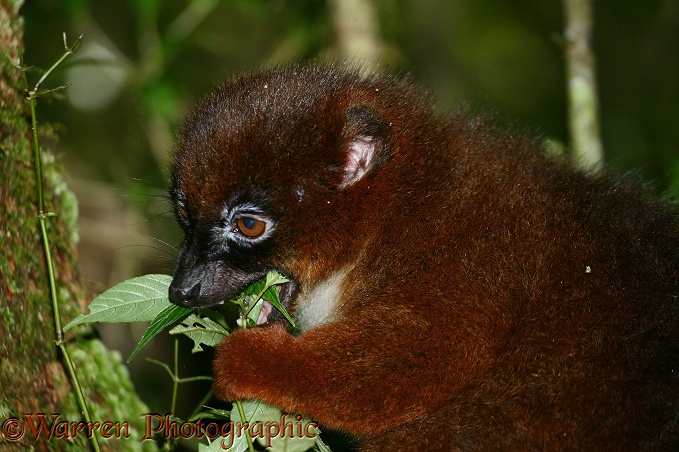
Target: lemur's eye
{"type": "Point", "coordinates": [250, 227]}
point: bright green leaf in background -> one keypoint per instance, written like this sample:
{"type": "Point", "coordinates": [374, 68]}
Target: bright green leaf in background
{"type": "Point", "coordinates": [135, 300]}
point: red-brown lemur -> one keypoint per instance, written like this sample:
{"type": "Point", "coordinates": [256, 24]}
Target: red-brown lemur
{"type": "Point", "coordinates": [456, 288]}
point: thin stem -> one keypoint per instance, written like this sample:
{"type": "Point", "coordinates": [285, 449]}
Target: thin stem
{"type": "Point", "coordinates": [256, 299]}
{"type": "Point", "coordinates": [176, 381]}
{"type": "Point", "coordinates": [239, 404]}
{"type": "Point", "coordinates": [69, 51]}
{"type": "Point", "coordinates": [175, 375]}
{"type": "Point", "coordinates": [161, 364]}
{"type": "Point", "coordinates": [52, 279]}
{"type": "Point", "coordinates": [80, 395]}
{"type": "Point", "coordinates": [246, 431]}
{"type": "Point", "coordinates": [169, 445]}
{"type": "Point", "coordinates": [42, 218]}
{"type": "Point", "coordinates": [36, 156]}
{"type": "Point", "coordinates": [34, 92]}
{"type": "Point", "coordinates": [194, 379]}
{"type": "Point", "coordinates": [201, 404]}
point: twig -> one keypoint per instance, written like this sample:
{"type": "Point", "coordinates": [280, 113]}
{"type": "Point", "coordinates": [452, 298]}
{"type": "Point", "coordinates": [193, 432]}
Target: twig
{"type": "Point", "coordinates": [42, 218]}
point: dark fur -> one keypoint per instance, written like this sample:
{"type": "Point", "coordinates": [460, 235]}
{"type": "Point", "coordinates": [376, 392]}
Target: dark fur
{"type": "Point", "coordinates": [496, 298]}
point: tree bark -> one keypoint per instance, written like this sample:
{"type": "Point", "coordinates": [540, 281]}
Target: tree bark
{"type": "Point", "coordinates": [33, 379]}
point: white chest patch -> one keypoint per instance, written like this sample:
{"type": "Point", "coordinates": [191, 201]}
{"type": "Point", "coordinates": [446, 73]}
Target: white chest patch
{"type": "Point", "coordinates": [318, 305]}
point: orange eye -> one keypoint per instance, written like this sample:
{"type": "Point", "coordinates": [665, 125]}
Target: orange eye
{"type": "Point", "coordinates": [250, 227]}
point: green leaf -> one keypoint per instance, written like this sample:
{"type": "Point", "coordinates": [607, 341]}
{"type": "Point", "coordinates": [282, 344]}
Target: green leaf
{"type": "Point", "coordinates": [268, 427]}
{"type": "Point", "coordinates": [271, 295]}
{"type": "Point", "coordinates": [253, 410]}
{"type": "Point", "coordinates": [168, 316]}
{"type": "Point", "coordinates": [138, 299]}
{"type": "Point", "coordinates": [287, 438]}
{"type": "Point", "coordinates": [216, 445]}
{"type": "Point", "coordinates": [212, 413]}
{"type": "Point", "coordinates": [321, 446]}
{"type": "Point", "coordinates": [201, 330]}
{"type": "Point", "coordinates": [273, 278]}
{"type": "Point", "coordinates": [238, 443]}
{"type": "Point", "coordinates": [265, 288]}
{"type": "Point", "coordinates": [253, 312]}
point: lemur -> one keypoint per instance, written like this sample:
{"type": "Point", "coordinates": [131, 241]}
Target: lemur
{"type": "Point", "coordinates": [455, 287]}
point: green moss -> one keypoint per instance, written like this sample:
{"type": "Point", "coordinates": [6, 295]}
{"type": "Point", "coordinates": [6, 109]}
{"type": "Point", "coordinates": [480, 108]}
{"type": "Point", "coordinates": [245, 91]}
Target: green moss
{"type": "Point", "coordinates": [107, 385]}
{"type": "Point", "coordinates": [32, 376]}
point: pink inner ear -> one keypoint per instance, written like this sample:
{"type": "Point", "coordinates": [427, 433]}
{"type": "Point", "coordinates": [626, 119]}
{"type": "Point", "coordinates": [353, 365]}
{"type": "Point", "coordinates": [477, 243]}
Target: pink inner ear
{"type": "Point", "coordinates": [360, 155]}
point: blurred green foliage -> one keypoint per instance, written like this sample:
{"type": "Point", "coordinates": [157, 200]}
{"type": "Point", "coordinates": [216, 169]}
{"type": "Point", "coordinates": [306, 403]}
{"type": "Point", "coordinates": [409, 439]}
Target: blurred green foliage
{"type": "Point", "coordinates": [162, 55]}
{"type": "Point", "coordinates": [145, 62]}
{"type": "Point", "coordinates": [503, 56]}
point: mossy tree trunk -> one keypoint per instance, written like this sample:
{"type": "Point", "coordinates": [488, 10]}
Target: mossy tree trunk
{"type": "Point", "coordinates": [32, 377]}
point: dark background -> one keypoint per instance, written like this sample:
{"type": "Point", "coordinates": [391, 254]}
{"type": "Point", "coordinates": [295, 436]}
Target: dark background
{"type": "Point", "coordinates": [143, 63]}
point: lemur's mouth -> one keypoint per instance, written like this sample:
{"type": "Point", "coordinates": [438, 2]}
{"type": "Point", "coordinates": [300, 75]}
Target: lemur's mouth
{"type": "Point", "coordinates": [268, 312]}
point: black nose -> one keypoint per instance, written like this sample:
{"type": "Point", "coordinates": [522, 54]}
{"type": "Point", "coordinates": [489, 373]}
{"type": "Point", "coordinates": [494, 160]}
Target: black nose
{"type": "Point", "coordinates": [184, 296]}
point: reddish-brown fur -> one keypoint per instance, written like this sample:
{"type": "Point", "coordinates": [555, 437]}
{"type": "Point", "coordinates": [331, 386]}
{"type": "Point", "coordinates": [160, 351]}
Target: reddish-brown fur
{"type": "Point", "coordinates": [496, 298]}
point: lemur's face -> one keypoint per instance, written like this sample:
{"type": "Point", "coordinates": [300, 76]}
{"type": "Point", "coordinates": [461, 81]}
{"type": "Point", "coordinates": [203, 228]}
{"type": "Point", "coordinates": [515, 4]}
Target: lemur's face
{"type": "Point", "coordinates": [259, 180]}
{"type": "Point", "coordinates": [227, 246]}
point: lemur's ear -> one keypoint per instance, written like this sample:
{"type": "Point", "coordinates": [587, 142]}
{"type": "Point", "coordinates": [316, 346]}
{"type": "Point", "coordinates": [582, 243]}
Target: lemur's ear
{"type": "Point", "coordinates": [364, 138]}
